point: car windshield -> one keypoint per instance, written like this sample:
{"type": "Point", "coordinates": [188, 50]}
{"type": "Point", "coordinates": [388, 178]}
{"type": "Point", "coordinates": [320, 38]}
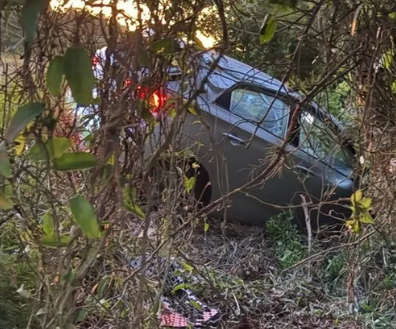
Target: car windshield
{"type": "Point", "coordinates": [270, 113]}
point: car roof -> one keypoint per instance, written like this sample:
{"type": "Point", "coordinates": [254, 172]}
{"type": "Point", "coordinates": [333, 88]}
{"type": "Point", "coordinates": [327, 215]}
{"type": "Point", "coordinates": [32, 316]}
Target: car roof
{"type": "Point", "coordinates": [230, 72]}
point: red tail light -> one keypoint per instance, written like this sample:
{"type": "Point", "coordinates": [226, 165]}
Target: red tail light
{"type": "Point", "coordinates": [156, 98]}
{"type": "Point", "coordinates": [95, 60]}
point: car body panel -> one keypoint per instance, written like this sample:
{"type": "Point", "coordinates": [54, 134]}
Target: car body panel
{"type": "Point", "coordinates": [230, 167]}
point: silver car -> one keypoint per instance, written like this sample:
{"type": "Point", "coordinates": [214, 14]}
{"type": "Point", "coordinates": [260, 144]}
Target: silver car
{"type": "Point", "coordinates": [244, 118]}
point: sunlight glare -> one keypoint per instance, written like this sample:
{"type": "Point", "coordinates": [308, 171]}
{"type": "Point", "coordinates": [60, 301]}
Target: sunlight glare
{"type": "Point", "coordinates": [129, 20]}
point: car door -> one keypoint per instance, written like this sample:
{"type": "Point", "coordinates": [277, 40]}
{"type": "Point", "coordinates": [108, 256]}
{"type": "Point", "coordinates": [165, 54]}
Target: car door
{"type": "Point", "coordinates": [247, 126]}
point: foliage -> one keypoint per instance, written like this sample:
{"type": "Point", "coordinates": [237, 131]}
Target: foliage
{"type": "Point", "coordinates": [360, 212]}
{"type": "Point", "coordinates": [287, 239]}
{"type": "Point", "coordinates": [16, 270]}
{"type": "Point", "coordinates": [84, 214]}
{"type": "Point", "coordinates": [55, 73]}
{"type": "Point", "coordinates": [337, 100]}
{"type": "Point", "coordinates": [252, 40]}
{"type": "Point", "coordinates": [30, 16]}
{"type": "Point", "coordinates": [79, 75]}
{"type": "Point", "coordinates": [73, 211]}
{"type": "Point", "coordinates": [268, 30]}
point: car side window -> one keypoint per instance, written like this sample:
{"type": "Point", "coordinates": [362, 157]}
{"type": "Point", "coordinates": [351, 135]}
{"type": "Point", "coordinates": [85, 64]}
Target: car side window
{"type": "Point", "coordinates": [317, 139]}
{"type": "Point", "coordinates": [267, 111]}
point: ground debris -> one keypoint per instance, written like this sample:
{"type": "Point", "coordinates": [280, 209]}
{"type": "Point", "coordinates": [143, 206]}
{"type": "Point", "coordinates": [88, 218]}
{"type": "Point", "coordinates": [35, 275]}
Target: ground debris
{"type": "Point", "coordinates": [242, 277]}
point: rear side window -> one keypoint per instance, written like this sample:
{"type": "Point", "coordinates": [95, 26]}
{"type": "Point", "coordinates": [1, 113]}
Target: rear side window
{"type": "Point", "coordinates": [317, 139]}
{"type": "Point", "coordinates": [268, 112]}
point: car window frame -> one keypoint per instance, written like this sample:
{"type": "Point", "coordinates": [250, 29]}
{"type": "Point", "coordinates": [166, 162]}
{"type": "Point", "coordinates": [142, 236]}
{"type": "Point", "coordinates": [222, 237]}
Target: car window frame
{"type": "Point", "coordinates": [277, 95]}
{"type": "Point", "coordinates": [321, 116]}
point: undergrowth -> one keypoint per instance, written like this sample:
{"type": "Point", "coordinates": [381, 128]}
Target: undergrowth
{"type": "Point", "coordinates": [249, 275]}
{"type": "Point", "coordinates": [287, 239]}
{"type": "Point", "coordinates": [17, 280]}
{"type": "Point", "coordinates": [245, 274]}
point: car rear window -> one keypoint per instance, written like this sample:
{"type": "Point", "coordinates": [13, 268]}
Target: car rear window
{"type": "Point", "coordinates": [267, 111]}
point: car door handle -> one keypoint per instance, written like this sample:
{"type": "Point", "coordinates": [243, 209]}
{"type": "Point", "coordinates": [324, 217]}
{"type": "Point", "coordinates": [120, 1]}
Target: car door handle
{"type": "Point", "coordinates": [305, 170]}
{"type": "Point", "coordinates": [234, 140]}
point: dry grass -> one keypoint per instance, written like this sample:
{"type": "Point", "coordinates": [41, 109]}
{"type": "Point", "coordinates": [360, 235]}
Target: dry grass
{"type": "Point", "coordinates": [242, 276]}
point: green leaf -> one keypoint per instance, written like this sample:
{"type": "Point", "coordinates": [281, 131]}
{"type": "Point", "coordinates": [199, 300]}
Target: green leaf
{"type": "Point", "coordinates": [172, 113]}
{"type": "Point", "coordinates": [48, 224]}
{"type": "Point", "coordinates": [5, 203]}
{"type": "Point", "coordinates": [75, 161]}
{"type": "Point", "coordinates": [267, 30]}
{"type": "Point", "coordinates": [5, 168]}
{"type": "Point", "coordinates": [392, 15]}
{"type": "Point", "coordinates": [286, 255]}
{"type": "Point", "coordinates": [79, 75]}
{"type": "Point", "coordinates": [111, 160]}
{"type": "Point", "coordinates": [130, 203]}
{"type": "Point", "coordinates": [19, 142]}
{"type": "Point", "coordinates": [192, 110]}
{"type": "Point", "coordinates": [387, 59]}
{"type": "Point", "coordinates": [180, 286]}
{"type": "Point", "coordinates": [30, 16]}
{"type": "Point", "coordinates": [354, 225]}
{"type": "Point", "coordinates": [21, 118]}
{"type": "Point", "coordinates": [51, 149]}
{"type": "Point", "coordinates": [104, 303]}
{"type": "Point", "coordinates": [206, 227]}
{"type": "Point", "coordinates": [187, 267]}
{"type": "Point", "coordinates": [195, 305]}
{"type": "Point", "coordinates": [189, 183]}
{"type": "Point", "coordinates": [83, 314]}
{"type": "Point", "coordinates": [365, 203]}
{"type": "Point", "coordinates": [55, 73]}
{"type": "Point", "coordinates": [356, 197]}
{"type": "Point", "coordinates": [366, 218]}
{"type": "Point", "coordinates": [53, 241]}
{"type": "Point", "coordinates": [165, 47]}
{"type": "Point", "coordinates": [85, 216]}
{"type": "Point", "coordinates": [102, 286]}
{"type": "Point", "coordinates": [177, 272]}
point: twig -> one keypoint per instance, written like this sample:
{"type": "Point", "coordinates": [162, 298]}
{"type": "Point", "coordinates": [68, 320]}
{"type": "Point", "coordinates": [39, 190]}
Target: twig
{"type": "Point", "coordinates": [309, 231]}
